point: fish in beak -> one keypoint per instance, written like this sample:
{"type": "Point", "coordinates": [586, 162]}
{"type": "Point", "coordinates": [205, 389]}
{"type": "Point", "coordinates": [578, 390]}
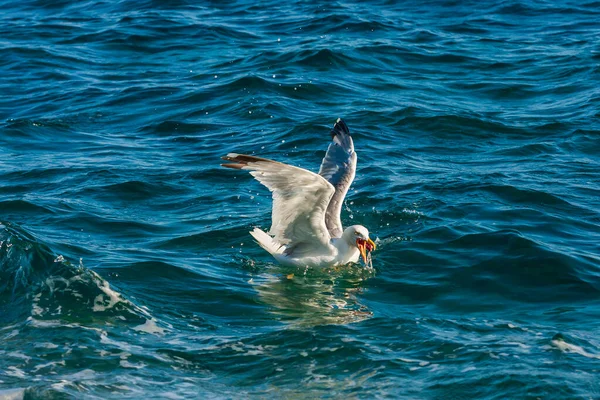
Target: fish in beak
{"type": "Point", "coordinates": [365, 246]}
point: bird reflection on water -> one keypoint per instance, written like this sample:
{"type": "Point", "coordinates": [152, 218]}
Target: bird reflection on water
{"type": "Point", "coordinates": [310, 297]}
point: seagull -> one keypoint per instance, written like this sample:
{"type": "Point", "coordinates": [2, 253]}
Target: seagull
{"type": "Point", "coordinates": [306, 229]}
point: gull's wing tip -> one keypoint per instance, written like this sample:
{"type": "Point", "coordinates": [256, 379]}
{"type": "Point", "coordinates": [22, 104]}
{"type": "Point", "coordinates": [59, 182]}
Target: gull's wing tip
{"type": "Point", "coordinates": [239, 161]}
{"type": "Point", "coordinates": [234, 161]}
{"type": "Point", "coordinates": [340, 128]}
{"type": "Point", "coordinates": [233, 166]}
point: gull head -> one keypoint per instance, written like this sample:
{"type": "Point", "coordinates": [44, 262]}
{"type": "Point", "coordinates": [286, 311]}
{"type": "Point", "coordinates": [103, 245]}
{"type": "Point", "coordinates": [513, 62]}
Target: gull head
{"type": "Point", "coordinates": [358, 236]}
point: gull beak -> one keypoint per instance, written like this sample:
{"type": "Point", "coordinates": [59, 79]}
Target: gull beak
{"type": "Point", "coordinates": [371, 245]}
{"type": "Point", "coordinates": [364, 246]}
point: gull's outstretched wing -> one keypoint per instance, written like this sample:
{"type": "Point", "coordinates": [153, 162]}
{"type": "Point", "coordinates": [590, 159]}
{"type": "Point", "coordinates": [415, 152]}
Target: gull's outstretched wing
{"type": "Point", "coordinates": [339, 168]}
{"type": "Point", "coordinates": [300, 200]}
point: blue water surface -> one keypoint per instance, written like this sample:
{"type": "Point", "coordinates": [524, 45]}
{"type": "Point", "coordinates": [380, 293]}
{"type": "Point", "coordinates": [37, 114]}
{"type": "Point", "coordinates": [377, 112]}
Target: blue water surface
{"type": "Point", "coordinates": [126, 267]}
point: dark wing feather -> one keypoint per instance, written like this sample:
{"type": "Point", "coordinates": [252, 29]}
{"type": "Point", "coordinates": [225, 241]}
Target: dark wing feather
{"type": "Point", "coordinates": [339, 168]}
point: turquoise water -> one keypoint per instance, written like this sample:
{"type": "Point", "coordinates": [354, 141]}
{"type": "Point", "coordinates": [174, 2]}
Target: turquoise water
{"type": "Point", "coordinates": [126, 267]}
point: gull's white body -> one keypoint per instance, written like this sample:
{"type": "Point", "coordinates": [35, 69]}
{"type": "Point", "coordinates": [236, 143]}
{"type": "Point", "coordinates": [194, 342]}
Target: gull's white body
{"type": "Point", "coordinates": [306, 228]}
{"type": "Point", "coordinates": [339, 251]}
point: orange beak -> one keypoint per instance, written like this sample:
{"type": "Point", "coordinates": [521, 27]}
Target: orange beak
{"type": "Point", "coordinates": [364, 246]}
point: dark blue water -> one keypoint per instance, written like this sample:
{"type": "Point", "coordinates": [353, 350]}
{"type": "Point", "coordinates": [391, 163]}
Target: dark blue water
{"type": "Point", "coordinates": [126, 268]}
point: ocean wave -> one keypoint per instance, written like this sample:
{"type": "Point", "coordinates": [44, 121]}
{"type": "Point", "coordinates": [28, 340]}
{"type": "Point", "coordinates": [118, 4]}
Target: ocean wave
{"type": "Point", "coordinates": [23, 207]}
{"type": "Point", "coordinates": [40, 285]}
{"type": "Point", "coordinates": [530, 149]}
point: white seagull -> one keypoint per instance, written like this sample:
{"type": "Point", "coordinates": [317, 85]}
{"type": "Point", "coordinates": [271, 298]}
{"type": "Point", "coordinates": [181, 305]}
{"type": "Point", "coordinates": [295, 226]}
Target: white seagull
{"type": "Point", "coordinates": [306, 229]}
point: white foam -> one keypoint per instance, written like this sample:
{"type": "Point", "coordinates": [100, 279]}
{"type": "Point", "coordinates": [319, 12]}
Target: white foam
{"type": "Point", "coordinates": [5, 328]}
{"type": "Point", "coordinates": [571, 348]}
{"type": "Point", "coordinates": [60, 386]}
{"type": "Point", "coordinates": [84, 374]}
{"type": "Point", "coordinates": [15, 372]}
{"type": "Point", "coordinates": [50, 283]}
{"type": "Point", "coordinates": [521, 345]}
{"type": "Point", "coordinates": [46, 345]}
{"type": "Point", "coordinates": [409, 211]}
{"type": "Point", "coordinates": [53, 323]}
{"type": "Point", "coordinates": [236, 347]}
{"type": "Point", "coordinates": [16, 354]}
{"type": "Point", "coordinates": [12, 394]}
{"type": "Point", "coordinates": [121, 345]}
{"type": "Point", "coordinates": [36, 310]}
{"type": "Point", "coordinates": [173, 396]}
{"type": "Point", "coordinates": [149, 327]}
{"type": "Point", "coordinates": [127, 364]}
{"type": "Point", "coordinates": [315, 377]}
{"type": "Point", "coordinates": [113, 297]}
{"type": "Point", "coordinates": [11, 334]}
{"type": "Point", "coordinates": [50, 364]}
{"type": "Point", "coordinates": [408, 360]}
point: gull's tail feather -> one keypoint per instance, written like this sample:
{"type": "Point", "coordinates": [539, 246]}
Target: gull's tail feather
{"type": "Point", "coordinates": [266, 242]}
